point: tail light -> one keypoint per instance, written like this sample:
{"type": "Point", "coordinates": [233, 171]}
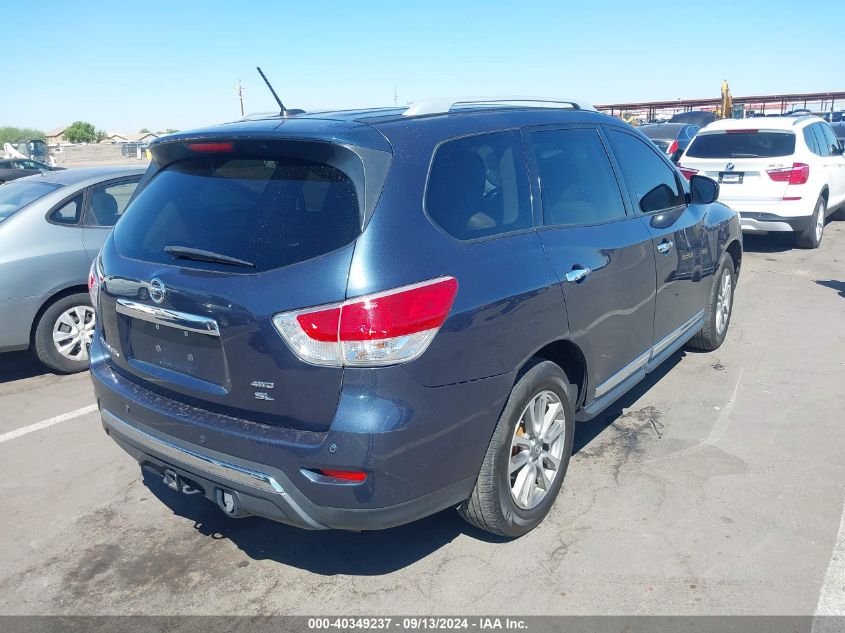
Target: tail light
{"type": "Point", "coordinates": [672, 148]}
{"type": "Point", "coordinates": [95, 279]}
{"type": "Point", "coordinates": [687, 172]}
{"type": "Point", "coordinates": [386, 328]}
{"type": "Point", "coordinates": [798, 174]}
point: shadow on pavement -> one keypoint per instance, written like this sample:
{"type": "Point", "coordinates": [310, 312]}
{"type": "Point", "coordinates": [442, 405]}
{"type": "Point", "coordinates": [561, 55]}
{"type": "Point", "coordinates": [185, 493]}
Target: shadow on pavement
{"type": "Point", "coordinates": [20, 365]}
{"type": "Point", "coordinates": [328, 552]}
{"type": "Point", "coordinates": [839, 286]}
{"type": "Point", "coordinates": [771, 243]}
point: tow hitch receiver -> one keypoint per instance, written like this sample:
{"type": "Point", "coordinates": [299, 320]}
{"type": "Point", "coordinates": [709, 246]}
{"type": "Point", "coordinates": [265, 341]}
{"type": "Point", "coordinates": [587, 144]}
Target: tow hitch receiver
{"type": "Point", "coordinates": [174, 481]}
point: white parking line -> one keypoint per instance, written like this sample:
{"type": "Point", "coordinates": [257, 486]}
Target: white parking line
{"type": "Point", "coordinates": [64, 417]}
{"type": "Point", "coordinates": [832, 594]}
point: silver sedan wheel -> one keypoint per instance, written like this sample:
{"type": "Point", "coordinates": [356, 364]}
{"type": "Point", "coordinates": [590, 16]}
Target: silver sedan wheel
{"type": "Point", "coordinates": [820, 222]}
{"type": "Point", "coordinates": [723, 302]}
{"type": "Point", "coordinates": [73, 332]}
{"type": "Point", "coordinates": [537, 449]}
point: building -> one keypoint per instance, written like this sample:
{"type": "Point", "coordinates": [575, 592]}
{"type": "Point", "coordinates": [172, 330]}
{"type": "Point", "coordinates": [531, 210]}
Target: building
{"type": "Point", "coordinates": [56, 136]}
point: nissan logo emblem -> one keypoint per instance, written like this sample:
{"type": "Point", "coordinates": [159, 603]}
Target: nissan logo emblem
{"type": "Point", "coordinates": [157, 290]}
{"type": "Point", "coordinates": [729, 166]}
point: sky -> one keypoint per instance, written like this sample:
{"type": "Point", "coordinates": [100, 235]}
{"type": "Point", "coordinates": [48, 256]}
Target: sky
{"type": "Point", "coordinates": [129, 65]}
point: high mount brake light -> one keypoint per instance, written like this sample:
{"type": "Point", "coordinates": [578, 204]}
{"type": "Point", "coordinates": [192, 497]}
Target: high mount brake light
{"type": "Point", "coordinates": [798, 174]}
{"type": "Point", "coordinates": [386, 328]}
{"type": "Point", "coordinates": [212, 147]}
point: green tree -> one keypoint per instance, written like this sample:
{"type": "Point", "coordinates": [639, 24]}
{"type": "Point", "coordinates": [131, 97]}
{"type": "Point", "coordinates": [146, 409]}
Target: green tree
{"type": "Point", "coordinates": [143, 130]}
{"type": "Point", "coordinates": [101, 135]}
{"type": "Point", "coordinates": [81, 132]}
{"type": "Point", "coordinates": [10, 134]}
{"type": "Point", "coordinates": [171, 130]}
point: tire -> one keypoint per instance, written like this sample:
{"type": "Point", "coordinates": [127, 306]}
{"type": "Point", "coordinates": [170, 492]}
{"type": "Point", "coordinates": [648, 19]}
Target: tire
{"type": "Point", "coordinates": [711, 336]}
{"type": "Point", "coordinates": [492, 505]}
{"type": "Point", "coordinates": [811, 237]}
{"type": "Point", "coordinates": [61, 317]}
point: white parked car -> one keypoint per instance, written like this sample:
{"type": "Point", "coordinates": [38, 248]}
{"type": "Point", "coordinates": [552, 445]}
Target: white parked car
{"type": "Point", "coordinates": [780, 173]}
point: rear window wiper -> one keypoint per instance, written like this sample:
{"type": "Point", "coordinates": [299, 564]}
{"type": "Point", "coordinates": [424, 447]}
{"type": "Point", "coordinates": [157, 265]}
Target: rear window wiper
{"type": "Point", "coordinates": [197, 254]}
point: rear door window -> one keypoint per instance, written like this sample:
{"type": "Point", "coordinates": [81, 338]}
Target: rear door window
{"type": "Point", "coordinates": [68, 213]}
{"type": "Point", "coordinates": [811, 140]}
{"type": "Point", "coordinates": [577, 183]}
{"type": "Point", "coordinates": [749, 144]}
{"type": "Point", "coordinates": [655, 184]}
{"type": "Point", "coordinates": [821, 141]}
{"type": "Point", "coordinates": [478, 186]}
{"type": "Point", "coordinates": [830, 137]}
{"type": "Point", "coordinates": [269, 213]}
{"type": "Point", "coordinates": [108, 203]}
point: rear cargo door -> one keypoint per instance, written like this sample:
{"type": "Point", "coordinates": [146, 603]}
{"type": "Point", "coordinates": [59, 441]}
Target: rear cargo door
{"type": "Point", "coordinates": [208, 252]}
{"type": "Point", "coordinates": [739, 161]}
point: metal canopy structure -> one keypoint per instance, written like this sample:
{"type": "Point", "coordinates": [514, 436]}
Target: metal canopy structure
{"type": "Point", "coordinates": [768, 104]}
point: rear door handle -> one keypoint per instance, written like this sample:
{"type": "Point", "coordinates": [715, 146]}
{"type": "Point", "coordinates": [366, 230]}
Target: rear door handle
{"type": "Point", "coordinates": [577, 274]}
{"type": "Point", "coordinates": [665, 246]}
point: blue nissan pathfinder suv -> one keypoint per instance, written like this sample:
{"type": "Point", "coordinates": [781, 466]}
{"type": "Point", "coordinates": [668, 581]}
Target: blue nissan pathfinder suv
{"type": "Point", "coordinates": [356, 319]}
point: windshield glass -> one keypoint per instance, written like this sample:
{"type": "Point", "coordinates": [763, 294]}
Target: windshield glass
{"type": "Point", "coordinates": [16, 195]}
{"type": "Point", "coordinates": [743, 145]}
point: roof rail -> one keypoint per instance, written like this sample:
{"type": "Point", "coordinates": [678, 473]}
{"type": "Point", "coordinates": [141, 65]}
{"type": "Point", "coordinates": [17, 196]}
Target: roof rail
{"type": "Point", "coordinates": [447, 104]}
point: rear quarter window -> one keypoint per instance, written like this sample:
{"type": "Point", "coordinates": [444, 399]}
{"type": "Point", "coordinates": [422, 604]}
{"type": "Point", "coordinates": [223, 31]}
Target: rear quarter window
{"type": "Point", "coordinates": [269, 212]}
{"type": "Point", "coordinates": [743, 145]}
{"type": "Point", "coordinates": [478, 186]}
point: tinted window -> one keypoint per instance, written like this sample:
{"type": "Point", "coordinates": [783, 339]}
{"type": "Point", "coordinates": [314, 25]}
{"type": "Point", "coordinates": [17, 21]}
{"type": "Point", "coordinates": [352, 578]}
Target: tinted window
{"type": "Point", "coordinates": [478, 186]}
{"type": "Point", "coordinates": [577, 183]}
{"type": "Point", "coordinates": [655, 184]}
{"type": "Point", "coordinates": [811, 140]}
{"type": "Point", "coordinates": [824, 148]}
{"type": "Point", "coordinates": [830, 137]}
{"type": "Point", "coordinates": [108, 203]}
{"type": "Point", "coordinates": [743, 145]}
{"type": "Point", "coordinates": [271, 213]}
{"type": "Point", "coordinates": [692, 130]}
{"type": "Point", "coordinates": [68, 213]}
{"type": "Point", "coordinates": [16, 195]}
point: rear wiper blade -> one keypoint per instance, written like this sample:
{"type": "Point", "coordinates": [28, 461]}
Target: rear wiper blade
{"type": "Point", "coordinates": [197, 254]}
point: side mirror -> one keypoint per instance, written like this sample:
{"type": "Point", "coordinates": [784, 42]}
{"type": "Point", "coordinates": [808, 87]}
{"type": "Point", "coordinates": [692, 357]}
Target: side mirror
{"type": "Point", "coordinates": [703, 190]}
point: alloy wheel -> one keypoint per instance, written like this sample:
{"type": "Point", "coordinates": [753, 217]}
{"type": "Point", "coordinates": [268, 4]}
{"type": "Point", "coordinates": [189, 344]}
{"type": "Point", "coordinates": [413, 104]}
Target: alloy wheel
{"type": "Point", "coordinates": [537, 449]}
{"type": "Point", "coordinates": [723, 302]}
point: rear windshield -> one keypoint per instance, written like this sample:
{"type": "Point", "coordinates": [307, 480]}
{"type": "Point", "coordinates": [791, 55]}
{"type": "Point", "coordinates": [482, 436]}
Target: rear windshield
{"type": "Point", "coordinates": [267, 213]}
{"type": "Point", "coordinates": [743, 145]}
{"type": "Point", "coordinates": [16, 195]}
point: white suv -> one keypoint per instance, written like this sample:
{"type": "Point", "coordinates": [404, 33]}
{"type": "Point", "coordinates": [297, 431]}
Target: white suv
{"type": "Point", "coordinates": [780, 173]}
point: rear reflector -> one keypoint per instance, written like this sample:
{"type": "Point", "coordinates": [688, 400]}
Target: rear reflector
{"type": "Point", "coordinates": [798, 174]}
{"type": "Point", "coordinates": [379, 329]}
{"type": "Point", "coordinates": [791, 198]}
{"type": "Point", "coordinates": [94, 281]}
{"type": "Point", "coordinates": [211, 147]}
{"type": "Point", "coordinates": [687, 172]}
{"type": "Point", "coordinates": [347, 475]}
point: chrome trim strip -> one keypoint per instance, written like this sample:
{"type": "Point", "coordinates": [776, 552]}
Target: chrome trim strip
{"type": "Point", "coordinates": [205, 464]}
{"type": "Point", "coordinates": [675, 335]}
{"type": "Point", "coordinates": [169, 318]}
{"type": "Point", "coordinates": [644, 358]}
{"type": "Point", "coordinates": [622, 374]}
{"type": "Point", "coordinates": [202, 463]}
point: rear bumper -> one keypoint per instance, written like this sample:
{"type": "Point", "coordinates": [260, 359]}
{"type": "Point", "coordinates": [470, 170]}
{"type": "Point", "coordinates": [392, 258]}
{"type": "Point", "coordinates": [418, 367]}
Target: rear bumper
{"type": "Point", "coordinates": [421, 453]}
{"type": "Point", "coordinates": [759, 222]}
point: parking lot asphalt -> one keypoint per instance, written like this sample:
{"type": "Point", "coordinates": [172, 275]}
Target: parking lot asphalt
{"type": "Point", "coordinates": [716, 487]}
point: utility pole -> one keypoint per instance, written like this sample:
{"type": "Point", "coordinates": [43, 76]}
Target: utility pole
{"type": "Point", "coordinates": [240, 90]}
{"type": "Point", "coordinates": [395, 97]}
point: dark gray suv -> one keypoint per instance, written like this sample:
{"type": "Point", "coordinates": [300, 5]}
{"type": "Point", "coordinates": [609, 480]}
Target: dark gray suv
{"type": "Point", "coordinates": [356, 319]}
